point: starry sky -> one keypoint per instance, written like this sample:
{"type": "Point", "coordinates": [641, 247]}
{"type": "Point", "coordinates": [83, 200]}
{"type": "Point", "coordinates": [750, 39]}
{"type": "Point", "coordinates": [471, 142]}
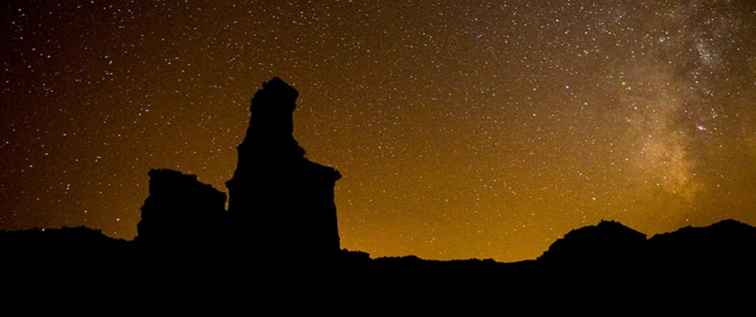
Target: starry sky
{"type": "Point", "coordinates": [463, 128]}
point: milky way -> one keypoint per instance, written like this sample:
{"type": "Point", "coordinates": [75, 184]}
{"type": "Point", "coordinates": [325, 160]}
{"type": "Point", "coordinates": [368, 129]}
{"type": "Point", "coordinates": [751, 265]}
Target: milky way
{"type": "Point", "coordinates": [463, 128]}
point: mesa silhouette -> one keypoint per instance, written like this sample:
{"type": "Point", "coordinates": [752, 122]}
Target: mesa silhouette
{"type": "Point", "coordinates": [281, 213]}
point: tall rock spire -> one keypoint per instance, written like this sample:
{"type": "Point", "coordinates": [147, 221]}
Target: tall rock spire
{"type": "Point", "coordinates": [279, 200]}
{"type": "Point", "coordinates": [271, 125]}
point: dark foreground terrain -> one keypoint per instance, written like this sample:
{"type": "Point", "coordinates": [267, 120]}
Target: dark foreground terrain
{"type": "Point", "coordinates": [723, 250]}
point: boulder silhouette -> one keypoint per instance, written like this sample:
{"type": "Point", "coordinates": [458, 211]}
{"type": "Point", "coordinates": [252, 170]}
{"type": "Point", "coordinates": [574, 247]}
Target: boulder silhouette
{"type": "Point", "coordinates": [278, 199]}
{"type": "Point", "coordinates": [181, 212]}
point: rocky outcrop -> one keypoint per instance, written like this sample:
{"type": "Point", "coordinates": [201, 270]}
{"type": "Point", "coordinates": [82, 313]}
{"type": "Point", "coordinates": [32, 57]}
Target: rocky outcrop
{"type": "Point", "coordinates": [280, 200]}
{"type": "Point", "coordinates": [180, 211]}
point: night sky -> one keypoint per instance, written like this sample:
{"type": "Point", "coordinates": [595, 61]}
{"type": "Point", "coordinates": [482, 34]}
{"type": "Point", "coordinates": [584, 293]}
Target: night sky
{"type": "Point", "coordinates": [463, 128]}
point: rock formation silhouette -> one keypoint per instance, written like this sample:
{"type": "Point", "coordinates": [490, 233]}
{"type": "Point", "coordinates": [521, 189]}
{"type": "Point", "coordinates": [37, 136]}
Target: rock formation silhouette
{"type": "Point", "coordinates": [180, 211]}
{"type": "Point", "coordinates": [279, 200]}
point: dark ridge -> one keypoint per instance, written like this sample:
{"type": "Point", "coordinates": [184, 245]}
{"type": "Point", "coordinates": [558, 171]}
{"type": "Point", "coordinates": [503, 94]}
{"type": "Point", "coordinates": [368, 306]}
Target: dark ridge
{"type": "Point", "coordinates": [606, 243]}
{"type": "Point", "coordinates": [74, 240]}
{"type": "Point", "coordinates": [727, 246]}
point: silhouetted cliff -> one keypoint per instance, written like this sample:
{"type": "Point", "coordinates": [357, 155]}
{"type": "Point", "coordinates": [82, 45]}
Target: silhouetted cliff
{"type": "Point", "coordinates": [280, 200]}
{"type": "Point", "coordinates": [181, 212]}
